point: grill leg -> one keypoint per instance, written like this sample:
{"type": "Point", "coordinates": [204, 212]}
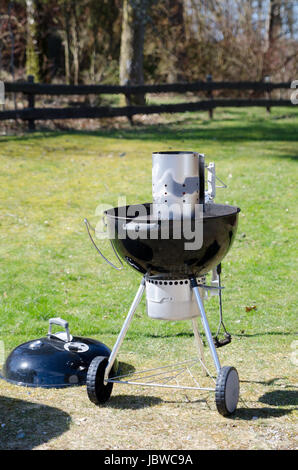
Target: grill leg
{"type": "Point", "coordinates": [194, 285]}
{"type": "Point", "coordinates": [125, 327]}
{"type": "Point", "coordinates": [198, 340]}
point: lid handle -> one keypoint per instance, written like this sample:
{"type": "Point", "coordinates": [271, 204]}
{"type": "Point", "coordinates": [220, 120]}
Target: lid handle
{"type": "Point", "coordinates": [60, 322]}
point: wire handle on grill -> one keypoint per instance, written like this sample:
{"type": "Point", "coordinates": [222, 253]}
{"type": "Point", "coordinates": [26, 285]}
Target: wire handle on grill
{"type": "Point", "coordinates": [89, 226]}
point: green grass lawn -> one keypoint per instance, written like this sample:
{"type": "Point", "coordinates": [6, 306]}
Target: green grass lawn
{"type": "Point", "coordinates": [51, 180]}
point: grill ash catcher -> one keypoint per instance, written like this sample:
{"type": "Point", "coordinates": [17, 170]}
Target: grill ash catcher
{"type": "Point", "coordinates": [151, 239]}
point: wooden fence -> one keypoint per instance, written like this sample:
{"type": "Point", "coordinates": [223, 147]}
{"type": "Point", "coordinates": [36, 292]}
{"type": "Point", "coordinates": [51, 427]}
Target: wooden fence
{"type": "Point", "coordinates": [32, 113]}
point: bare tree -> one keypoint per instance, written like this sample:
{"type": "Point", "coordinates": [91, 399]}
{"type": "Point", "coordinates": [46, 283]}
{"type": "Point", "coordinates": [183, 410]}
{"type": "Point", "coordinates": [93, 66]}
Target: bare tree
{"type": "Point", "coordinates": [12, 43]}
{"type": "Point", "coordinates": [75, 42]}
{"type": "Point", "coordinates": [185, 40]}
{"type": "Point", "coordinates": [278, 52]}
{"type": "Point", "coordinates": [132, 45]}
{"type": "Point", "coordinates": [32, 61]}
{"type": "Point", "coordinates": [66, 39]}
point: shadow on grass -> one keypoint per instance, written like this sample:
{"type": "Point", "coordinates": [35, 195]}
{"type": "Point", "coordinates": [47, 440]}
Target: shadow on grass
{"type": "Point", "coordinates": [265, 382]}
{"type": "Point", "coordinates": [263, 333]}
{"type": "Point", "coordinates": [238, 129]}
{"type": "Point", "coordinates": [25, 425]}
{"type": "Point", "coordinates": [280, 398]}
{"type": "Point", "coordinates": [137, 334]}
{"type": "Point", "coordinates": [135, 402]}
{"type": "Point", "coordinates": [125, 369]}
{"type": "Point", "coordinates": [249, 414]}
{"type": "Point", "coordinates": [132, 402]}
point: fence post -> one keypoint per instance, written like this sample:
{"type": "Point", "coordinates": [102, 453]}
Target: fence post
{"type": "Point", "coordinates": [267, 79]}
{"type": "Point", "coordinates": [31, 104]}
{"type": "Point", "coordinates": [210, 94]}
{"type": "Point", "coordinates": [128, 103]}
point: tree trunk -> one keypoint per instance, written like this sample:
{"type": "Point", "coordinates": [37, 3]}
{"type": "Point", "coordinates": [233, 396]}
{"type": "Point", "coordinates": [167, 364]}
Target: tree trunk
{"type": "Point", "coordinates": [273, 36]}
{"type": "Point", "coordinates": [66, 41]}
{"type": "Point", "coordinates": [76, 44]}
{"type": "Point", "coordinates": [132, 46]}
{"type": "Point", "coordinates": [32, 62]}
{"type": "Point", "coordinates": [290, 16]}
{"type": "Point", "coordinates": [177, 40]}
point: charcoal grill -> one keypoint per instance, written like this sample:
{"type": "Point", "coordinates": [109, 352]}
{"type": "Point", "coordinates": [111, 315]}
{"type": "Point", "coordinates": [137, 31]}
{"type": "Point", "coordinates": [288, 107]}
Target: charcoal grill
{"type": "Point", "coordinates": [174, 242]}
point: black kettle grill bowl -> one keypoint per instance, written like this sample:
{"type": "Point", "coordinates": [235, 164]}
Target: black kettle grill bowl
{"type": "Point", "coordinates": [168, 257]}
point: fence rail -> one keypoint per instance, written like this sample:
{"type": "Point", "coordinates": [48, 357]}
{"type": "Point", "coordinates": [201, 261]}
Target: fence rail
{"type": "Point", "coordinates": [44, 89]}
{"type": "Point", "coordinates": [32, 113]}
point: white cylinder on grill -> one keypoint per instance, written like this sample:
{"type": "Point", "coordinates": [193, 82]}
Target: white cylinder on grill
{"type": "Point", "coordinates": [175, 184]}
{"type": "Point", "coordinates": [170, 300]}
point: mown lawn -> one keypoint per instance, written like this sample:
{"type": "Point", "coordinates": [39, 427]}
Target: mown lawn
{"type": "Point", "coordinates": [51, 180]}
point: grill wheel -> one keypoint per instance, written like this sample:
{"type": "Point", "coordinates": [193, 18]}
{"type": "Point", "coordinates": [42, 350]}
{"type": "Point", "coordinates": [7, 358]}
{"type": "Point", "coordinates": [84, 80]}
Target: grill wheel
{"type": "Point", "coordinates": [98, 391]}
{"type": "Point", "coordinates": [227, 390]}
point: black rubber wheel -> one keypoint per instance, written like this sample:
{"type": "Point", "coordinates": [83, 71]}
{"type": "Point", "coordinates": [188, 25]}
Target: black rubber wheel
{"type": "Point", "coordinates": [227, 391]}
{"type": "Point", "coordinates": [98, 392]}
